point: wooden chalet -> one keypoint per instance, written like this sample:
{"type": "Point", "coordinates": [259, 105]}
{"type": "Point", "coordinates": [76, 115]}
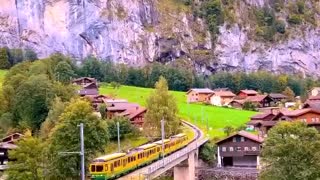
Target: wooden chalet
{"type": "Point", "coordinates": [8, 143]}
{"type": "Point", "coordinates": [241, 149]}
{"type": "Point", "coordinates": [89, 86]}
{"type": "Point", "coordinates": [246, 93]}
{"type": "Point", "coordinates": [135, 115]}
{"type": "Point", "coordinates": [264, 122]}
{"type": "Point", "coordinates": [198, 95]}
{"type": "Point", "coordinates": [96, 100]}
{"type": "Point", "coordinates": [221, 98]}
{"type": "Point", "coordinates": [278, 97]}
{"type": "Point", "coordinates": [260, 101]}
{"type": "Point", "coordinates": [315, 105]}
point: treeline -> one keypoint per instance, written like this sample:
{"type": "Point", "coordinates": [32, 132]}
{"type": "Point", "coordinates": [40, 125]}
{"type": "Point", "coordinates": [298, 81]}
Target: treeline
{"type": "Point", "coordinates": [180, 75]}
{"type": "Point", "coordinates": [10, 57]}
{"type": "Point", "coordinates": [182, 78]}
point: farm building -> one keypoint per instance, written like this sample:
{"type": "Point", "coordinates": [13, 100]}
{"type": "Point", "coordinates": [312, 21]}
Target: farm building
{"type": "Point", "coordinates": [88, 86]}
{"type": "Point", "coordinates": [198, 95]}
{"type": "Point", "coordinates": [221, 98]}
{"type": "Point", "coordinates": [260, 101]}
{"type": "Point", "coordinates": [241, 149]}
{"type": "Point", "coordinates": [246, 93]}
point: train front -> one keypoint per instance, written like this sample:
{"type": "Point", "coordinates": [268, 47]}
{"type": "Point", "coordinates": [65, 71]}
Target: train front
{"type": "Point", "coordinates": [98, 171]}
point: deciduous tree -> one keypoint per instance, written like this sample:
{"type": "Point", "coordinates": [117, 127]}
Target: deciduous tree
{"type": "Point", "coordinates": [289, 93]}
{"type": "Point", "coordinates": [63, 72]}
{"type": "Point", "coordinates": [29, 159]}
{"type": "Point", "coordinates": [65, 137]}
{"type": "Point", "coordinates": [4, 59]}
{"type": "Point", "coordinates": [291, 152]}
{"type": "Point", "coordinates": [161, 104]}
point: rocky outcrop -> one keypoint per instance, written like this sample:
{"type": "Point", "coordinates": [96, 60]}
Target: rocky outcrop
{"type": "Point", "coordinates": [140, 31]}
{"type": "Point", "coordinates": [133, 32]}
{"type": "Point", "coordinates": [297, 55]}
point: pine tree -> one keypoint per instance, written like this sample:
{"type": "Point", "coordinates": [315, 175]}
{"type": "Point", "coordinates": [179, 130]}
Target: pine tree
{"type": "Point", "coordinates": [161, 104]}
{"type": "Point", "coordinates": [4, 59]}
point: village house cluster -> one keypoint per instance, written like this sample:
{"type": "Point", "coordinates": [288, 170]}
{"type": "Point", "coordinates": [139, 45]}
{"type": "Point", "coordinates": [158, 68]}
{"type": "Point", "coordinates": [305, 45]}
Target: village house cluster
{"type": "Point", "coordinates": [242, 149]}
{"type": "Point", "coordinates": [89, 88]}
{"type": "Point", "coordinates": [225, 97]}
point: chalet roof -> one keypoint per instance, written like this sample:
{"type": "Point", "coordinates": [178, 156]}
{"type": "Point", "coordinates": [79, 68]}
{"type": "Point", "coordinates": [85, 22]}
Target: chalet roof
{"type": "Point", "coordinates": [261, 116]}
{"type": "Point", "coordinates": [312, 104]}
{"type": "Point", "coordinates": [314, 98]}
{"type": "Point", "coordinates": [10, 137]}
{"type": "Point", "coordinates": [222, 94]}
{"type": "Point", "coordinates": [121, 106]}
{"type": "Point", "coordinates": [133, 112]}
{"type": "Point", "coordinates": [5, 145]}
{"type": "Point", "coordinates": [277, 96]}
{"type": "Point", "coordinates": [111, 101]}
{"type": "Point", "coordinates": [244, 134]}
{"type": "Point", "coordinates": [201, 90]}
{"type": "Point", "coordinates": [248, 91]}
{"type": "Point", "coordinates": [257, 98]}
{"type": "Point", "coordinates": [90, 85]}
{"type": "Point", "coordinates": [83, 78]}
{"type": "Point", "coordinates": [84, 92]}
{"type": "Point", "coordinates": [240, 101]}
{"type": "Point", "coordinates": [300, 112]}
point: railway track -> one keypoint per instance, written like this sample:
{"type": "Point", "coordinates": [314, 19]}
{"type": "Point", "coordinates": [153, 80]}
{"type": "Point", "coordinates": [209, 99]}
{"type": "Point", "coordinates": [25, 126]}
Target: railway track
{"type": "Point", "coordinates": [170, 160]}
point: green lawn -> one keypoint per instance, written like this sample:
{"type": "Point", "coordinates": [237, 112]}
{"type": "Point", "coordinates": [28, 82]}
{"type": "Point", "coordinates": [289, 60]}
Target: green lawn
{"type": "Point", "coordinates": [196, 113]}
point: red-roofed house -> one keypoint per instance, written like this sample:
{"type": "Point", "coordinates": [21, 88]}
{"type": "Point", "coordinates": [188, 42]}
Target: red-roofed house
{"type": "Point", "coordinates": [135, 115]}
{"type": "Point", "coordinates": [221, 98]}
{"type": "Point", "coordinates": [246, 93]}
{"type": "Point", "coordinates": [96, 100]}
{"type": "Point", "coordinates": [198, 95]}
{"type": "Point", "coordinates": [89, 86]}
{"type": "Point", "coordinates": [241, 149]}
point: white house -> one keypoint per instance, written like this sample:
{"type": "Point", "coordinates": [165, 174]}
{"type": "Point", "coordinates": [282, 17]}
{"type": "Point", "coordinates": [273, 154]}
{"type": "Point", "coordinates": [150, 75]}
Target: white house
{"type": "Point", "coordinates": [221, 98]}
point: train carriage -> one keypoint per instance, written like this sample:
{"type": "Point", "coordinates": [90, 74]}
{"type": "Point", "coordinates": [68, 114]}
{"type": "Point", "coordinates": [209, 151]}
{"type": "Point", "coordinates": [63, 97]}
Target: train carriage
{"type": "Point", "coordinates": [114, 165]}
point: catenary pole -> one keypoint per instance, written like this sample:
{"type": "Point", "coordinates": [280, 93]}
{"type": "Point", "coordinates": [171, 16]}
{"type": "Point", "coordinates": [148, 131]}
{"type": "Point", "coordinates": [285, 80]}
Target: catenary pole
{"type": "Point", "coordinates": [82, 152]}
{"type": "Point", "coordinates": [118, 131]}
{"type": "Point", "coordinates": [162, 139]}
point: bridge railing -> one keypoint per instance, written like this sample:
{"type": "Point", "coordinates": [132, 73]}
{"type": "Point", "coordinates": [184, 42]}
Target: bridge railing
{"type": "Point", "coordinates": [173, 157]}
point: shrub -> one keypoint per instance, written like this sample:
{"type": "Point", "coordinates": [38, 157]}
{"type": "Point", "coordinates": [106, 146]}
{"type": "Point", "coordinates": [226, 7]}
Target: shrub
{"type": "Point", "coordinates": [295, 19]}
{"type": "Point", "coordinates": [280, 26]}
{"type": "Point", "coordinates": [249, 106]}
{"type": "Point", "coordinates": [207, 152]}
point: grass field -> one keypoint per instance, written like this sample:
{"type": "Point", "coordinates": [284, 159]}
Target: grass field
{"type": "Point", "coordinates": [198, 114]}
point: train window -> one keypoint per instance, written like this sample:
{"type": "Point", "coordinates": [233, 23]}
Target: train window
{"type": "Point", "coordinates": [99, 168]}
{"type": "Point", "coordinates": [115, 164]}
{"type": "Point", "coordinates": [129, 160]}
{"type": "Point", "coordinates": [106, 167]}
{"type": "Point", "coordinates": [93, 168]}
{"type": "Point", "coordinates": [134, 158]}
{"type": "Point", "coordinates": [119, 163]}
{"type": "Point", "coordinates": [158, 149]}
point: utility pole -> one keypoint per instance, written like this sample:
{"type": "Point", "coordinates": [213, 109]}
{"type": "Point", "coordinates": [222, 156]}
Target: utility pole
{"type": "Point", "coordinates": [118, 129]}
{"type": "Point", "coordinates": [162, 139]}
{"type": "Point", "coordinates": [81, 153]}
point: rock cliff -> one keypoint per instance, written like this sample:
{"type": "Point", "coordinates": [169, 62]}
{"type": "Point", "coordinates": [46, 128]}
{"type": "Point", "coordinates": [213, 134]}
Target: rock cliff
{"type": "Point", "coordinates": [140, 31]}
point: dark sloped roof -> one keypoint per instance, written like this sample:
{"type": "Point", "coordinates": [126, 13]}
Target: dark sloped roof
{"type": "Point", "coordinates": [314, 98]}
{"type": "Point", "coordinates": [312, 104]}
{"type": "Point", "coordinates": [300, 112]}
{"type": "Point", "coordinates": [277, 96]}
{"type": "Point", "coordinates": [261, 116]}
{"type": "Point", "coordinates": [257, 98]}
{"type": "Point", "coordinates": [244, 134]}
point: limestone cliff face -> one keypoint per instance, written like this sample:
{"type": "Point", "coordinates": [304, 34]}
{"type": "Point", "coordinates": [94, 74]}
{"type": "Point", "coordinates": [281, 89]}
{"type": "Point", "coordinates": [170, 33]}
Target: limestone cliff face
{"type": "Point", "coordinates": [140, 31]}
{"type": "Point", "coordinates": [129, 31]}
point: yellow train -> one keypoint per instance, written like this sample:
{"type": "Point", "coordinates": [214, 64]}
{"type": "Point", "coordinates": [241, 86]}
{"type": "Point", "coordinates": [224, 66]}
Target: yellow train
{"type": "Point", "coordinates": [114, 165]}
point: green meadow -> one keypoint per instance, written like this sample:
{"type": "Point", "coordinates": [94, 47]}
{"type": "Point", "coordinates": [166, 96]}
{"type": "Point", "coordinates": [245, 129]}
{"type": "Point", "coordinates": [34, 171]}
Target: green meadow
{"type": "Point", "coordinates": [210, 118]}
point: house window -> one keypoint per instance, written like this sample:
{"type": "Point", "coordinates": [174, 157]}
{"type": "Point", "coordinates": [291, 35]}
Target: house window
{"type": "Point", "coordinates": [317, 119]}
{"type": "Point", "coordinates": [254, 148]}
{"type": "Point", "coordinates": [242, 139]}
{"type": "Point", "coordinates": [303, 120]}
{"type": "Point", "coordinates": [238, 148]}
{"type": "Point", "coordinates": [237, 139]}
{"type": "Point", "coordinates": [224, 149]}
{"type": "Point", "coordinates": [231, 149]}
{"type": "Point", "coordinates": [246, 148]}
